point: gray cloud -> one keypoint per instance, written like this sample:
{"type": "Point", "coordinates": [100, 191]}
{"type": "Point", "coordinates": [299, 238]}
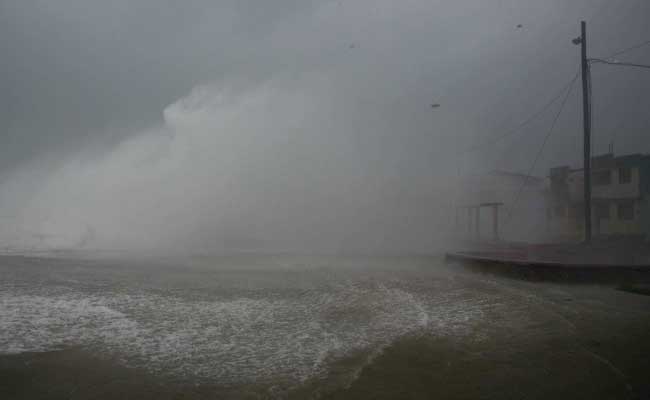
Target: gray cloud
{"type": "Point", "coordinates": [288, 124]}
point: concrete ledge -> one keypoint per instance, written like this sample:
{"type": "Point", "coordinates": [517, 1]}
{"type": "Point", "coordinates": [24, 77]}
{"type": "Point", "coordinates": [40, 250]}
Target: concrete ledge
{"type": "Point", "coordinates": [538, 270]}
{"type": "Point", "coordinates": [466, 256]}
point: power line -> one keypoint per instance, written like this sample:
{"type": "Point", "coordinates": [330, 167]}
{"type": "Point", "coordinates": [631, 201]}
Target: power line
{"type": "Point", "coordinates": [622, 64]}
{"type": "Point", "coordinates": [525, 122]}
{"type": "Point", "coordinates": [508, 150]}
{"type": "Point", "coordinates": [628, 49]}
{"type": "Point", "coordinates": [541, 149]}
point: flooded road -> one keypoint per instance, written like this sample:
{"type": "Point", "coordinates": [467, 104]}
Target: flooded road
{"type": "Point", "coordinates": [311, 327]}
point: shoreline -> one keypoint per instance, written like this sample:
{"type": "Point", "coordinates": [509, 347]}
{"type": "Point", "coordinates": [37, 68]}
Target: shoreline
{"type": "Point", "coordinates": [590, 365]}
{"type": "Point", "coordinates": [552, 271]}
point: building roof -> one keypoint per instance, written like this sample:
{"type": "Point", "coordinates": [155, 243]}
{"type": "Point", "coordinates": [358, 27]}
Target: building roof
{"type": "Point", "coordinates": [518, 176]}
{"type": "Point", "coordinates": [608, 161]}
{"type": "Point", "coordinates": [604, 161]}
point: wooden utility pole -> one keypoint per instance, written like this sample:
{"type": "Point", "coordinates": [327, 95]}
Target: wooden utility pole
{"type": "Point", "coordinates": [586, 122]}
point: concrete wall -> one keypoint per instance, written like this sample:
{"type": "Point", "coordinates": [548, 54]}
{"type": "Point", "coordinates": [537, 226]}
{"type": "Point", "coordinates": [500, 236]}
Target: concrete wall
{"type": "Point", "coordinates": [614, 225]}
{"type": "Point", "coordinates": [564, 228]}
{"type": "Point", "coordinates": [644, 217]}
{"type": "Point", "coordinates": [616, 190]}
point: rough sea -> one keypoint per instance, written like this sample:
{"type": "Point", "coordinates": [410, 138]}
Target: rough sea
{"type": "Point", "coordinates": [275, 322]}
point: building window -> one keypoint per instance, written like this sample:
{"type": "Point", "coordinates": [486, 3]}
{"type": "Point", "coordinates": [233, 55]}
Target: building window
{"type": "Point", "coordinates": [624, 175]}
{"type": "Point", "coordinates": [602, 177]}
{"type": "Point", "coordinates": [602, 211]}
{"type": "Point", "coordinates": [625, 211]}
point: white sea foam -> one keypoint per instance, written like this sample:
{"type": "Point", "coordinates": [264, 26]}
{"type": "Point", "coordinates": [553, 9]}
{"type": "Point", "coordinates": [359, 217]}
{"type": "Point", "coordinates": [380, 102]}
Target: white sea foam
{"type": "Point", "coordinates": [228, 340]}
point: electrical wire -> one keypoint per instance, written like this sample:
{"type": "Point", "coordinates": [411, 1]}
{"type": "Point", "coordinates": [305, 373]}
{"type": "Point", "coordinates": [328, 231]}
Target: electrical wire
{"type": "Point", "coordinates": [525, 122]}
{"type": "Point", "coordinates": [622, 64]}
{"type": "Point", "coordinates": [628, 49]}
{"type": "Point", "coordinates": [539, 152]}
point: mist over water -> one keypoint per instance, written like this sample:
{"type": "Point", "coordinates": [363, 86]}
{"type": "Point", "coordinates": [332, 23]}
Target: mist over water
{"type": "Point", "coordinates": [268, 167]}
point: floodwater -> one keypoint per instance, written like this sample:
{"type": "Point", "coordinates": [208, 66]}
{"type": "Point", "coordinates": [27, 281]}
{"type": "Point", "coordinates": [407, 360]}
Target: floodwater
{"type": "Point", "coordinates": [311, 327]}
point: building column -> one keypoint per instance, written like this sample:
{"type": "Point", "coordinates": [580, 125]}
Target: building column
{"type": "Point", "coordinates": [495, 222]}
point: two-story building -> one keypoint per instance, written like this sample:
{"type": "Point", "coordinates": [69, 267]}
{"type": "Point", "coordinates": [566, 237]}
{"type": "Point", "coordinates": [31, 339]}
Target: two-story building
{"type": "Point", "coordinates": [620, 197]}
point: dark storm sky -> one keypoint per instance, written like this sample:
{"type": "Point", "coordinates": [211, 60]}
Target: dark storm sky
{"type": "Point", "coordinates": [88, 80]}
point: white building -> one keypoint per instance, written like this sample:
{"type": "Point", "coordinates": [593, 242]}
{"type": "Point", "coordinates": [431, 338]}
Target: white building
{"type": "Point", "coordinates": [620, 197]}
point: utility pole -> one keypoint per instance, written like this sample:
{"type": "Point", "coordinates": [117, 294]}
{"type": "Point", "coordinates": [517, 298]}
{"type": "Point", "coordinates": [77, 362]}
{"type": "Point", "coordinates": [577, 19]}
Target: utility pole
{"type": "Point", "coordinates": [586, 123]}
